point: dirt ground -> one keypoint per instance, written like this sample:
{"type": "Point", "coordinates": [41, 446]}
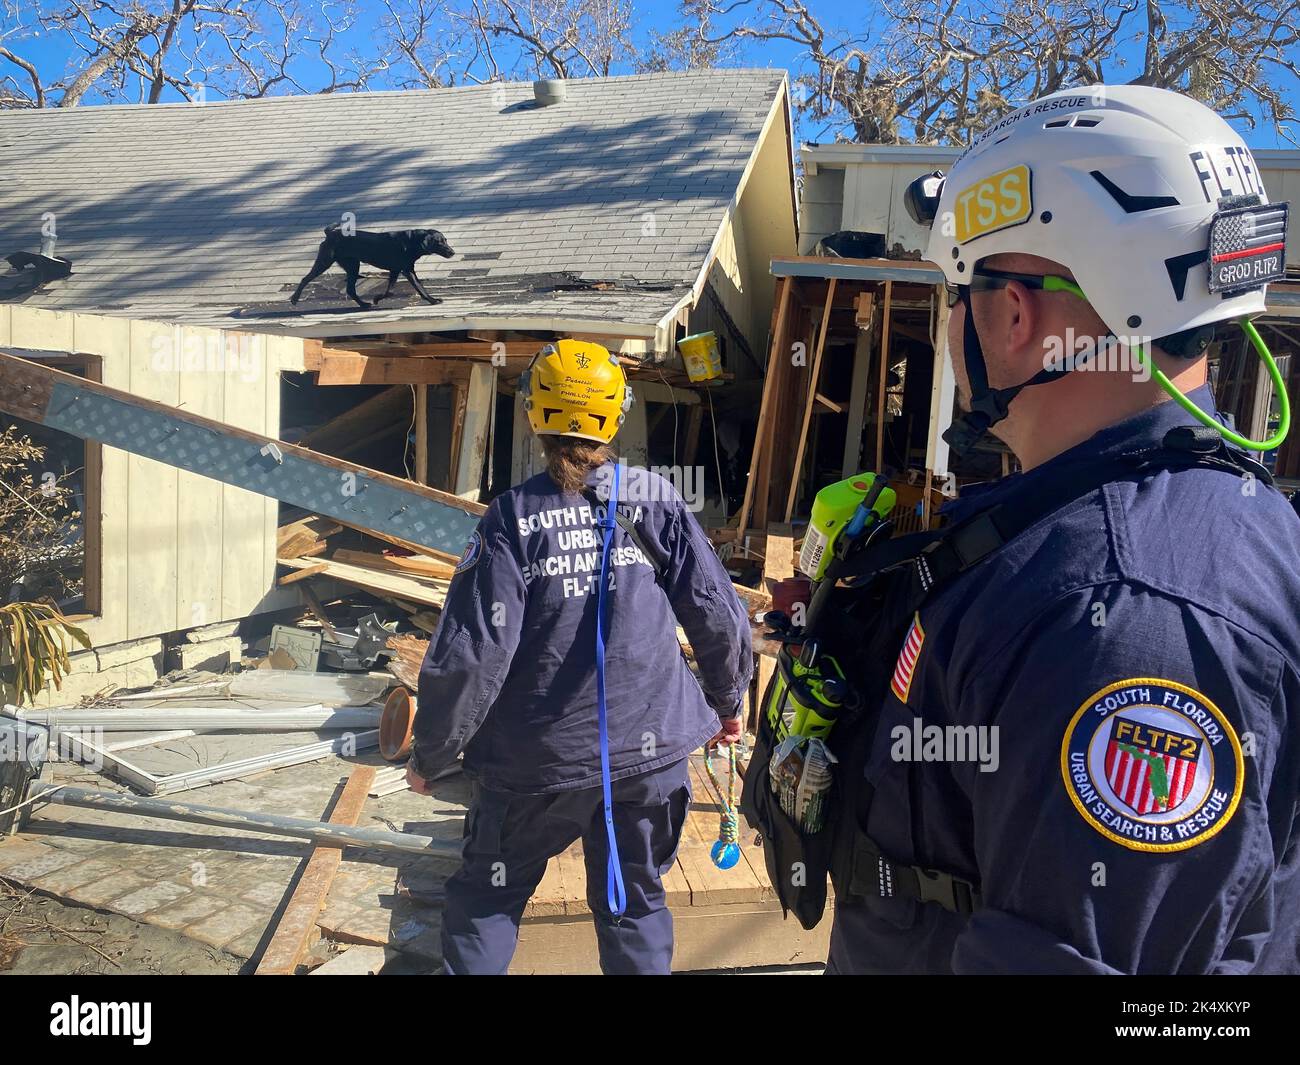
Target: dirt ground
{"type": "Point", "coordinates": [40, 935]}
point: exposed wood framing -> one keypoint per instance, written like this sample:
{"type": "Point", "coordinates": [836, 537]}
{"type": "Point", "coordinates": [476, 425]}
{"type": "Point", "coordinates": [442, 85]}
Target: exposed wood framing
{"type": "Point", "coordinates": [775, 359]}
{"type": "Point", "coordinates": [470, 431]}
{"type": "Point", "coordinates": [814, 376]}
{"type": "Point", "coordinates": [883, 379]}
{"type": "Point", "coordinates": [353, 368]}
{"type": "Point", "coordinates": [422, 434]}
{"type": "Point", "coordinates": [778, 564]}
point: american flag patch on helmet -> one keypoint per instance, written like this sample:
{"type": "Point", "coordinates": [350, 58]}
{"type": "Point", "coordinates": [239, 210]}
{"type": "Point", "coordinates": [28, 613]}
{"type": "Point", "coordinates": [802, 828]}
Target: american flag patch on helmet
{"type": "Point", "coordinates": [1247, 247]}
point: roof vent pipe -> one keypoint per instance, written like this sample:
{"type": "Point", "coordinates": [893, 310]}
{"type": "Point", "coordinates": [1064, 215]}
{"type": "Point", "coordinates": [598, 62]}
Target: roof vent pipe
{"type": "Point", "coordinates": [550, 91]}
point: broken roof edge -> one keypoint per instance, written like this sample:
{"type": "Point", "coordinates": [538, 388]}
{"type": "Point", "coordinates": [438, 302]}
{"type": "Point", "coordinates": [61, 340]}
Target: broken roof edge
{"type": "Point", "coordinates": [918, 271]}
{"type": "Point", "coordinates": [473, 323]}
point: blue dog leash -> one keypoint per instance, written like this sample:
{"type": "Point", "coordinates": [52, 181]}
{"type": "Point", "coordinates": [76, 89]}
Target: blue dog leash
{"type": "Point", "coordinates": [615, 893]}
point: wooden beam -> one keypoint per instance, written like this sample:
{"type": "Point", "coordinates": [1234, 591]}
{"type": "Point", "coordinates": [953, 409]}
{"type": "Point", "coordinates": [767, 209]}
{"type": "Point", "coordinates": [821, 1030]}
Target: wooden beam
{"type": "Point", "coordinates": [776, 460]}
{"type": "Point", "coordinates": [423, 567]}
{"type": "Point", "coordinates": [884, 378]}
{"type": "Point", "coordinates": [694, 421]}
{"type": "Point", "coordinates": [858, 389]}
{"type": "Point", "coordinates": [317, 609]}
{"type": "Point", "coordinates": [296, 930]}
{"type": "Point", "coordinates": [302, 574]}
{"type": "Point", "coordinates": [778, 564]}
{"type": "Point", "coordinates": [459, 405]}
{"type": "Point", "coordinates": [476, 421]}
{"type": "Point", "coordinates": [421, 434]}
{"type": "Point", "coordinates": [781, 310]}
{"type": "Point", "coordinates": [481, 349]}
{"type": "Point", "coordinates": [811, 392]}
{"type": "Point", "coordinates": [353, 368]}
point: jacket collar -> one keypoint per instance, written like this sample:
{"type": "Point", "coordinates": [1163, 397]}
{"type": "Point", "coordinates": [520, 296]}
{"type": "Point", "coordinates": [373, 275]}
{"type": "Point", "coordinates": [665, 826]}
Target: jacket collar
{"type": "Point", "coordinates": [1144, 429]}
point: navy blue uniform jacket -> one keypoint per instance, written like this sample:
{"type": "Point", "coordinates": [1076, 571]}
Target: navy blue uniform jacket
{"type": "Point", "coordinates": [1138, 654]}
{"type": "Point", "coordinates": [510, 675]}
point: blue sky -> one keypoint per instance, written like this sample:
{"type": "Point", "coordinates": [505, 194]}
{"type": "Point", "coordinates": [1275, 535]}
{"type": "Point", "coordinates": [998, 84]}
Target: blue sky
{"type": "Point", "coordinates": [53, 54]}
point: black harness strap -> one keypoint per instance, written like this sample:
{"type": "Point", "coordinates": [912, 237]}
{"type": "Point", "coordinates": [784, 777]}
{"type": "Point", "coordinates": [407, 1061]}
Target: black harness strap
{"type": "Point", "coordinates": [657, 562]}
{"type": "Point", "coordinates": [945, 555]}
{"type": "Point", "coordinates": [652, 556]}
{"type": "Point", "coordinates": [874, 874]}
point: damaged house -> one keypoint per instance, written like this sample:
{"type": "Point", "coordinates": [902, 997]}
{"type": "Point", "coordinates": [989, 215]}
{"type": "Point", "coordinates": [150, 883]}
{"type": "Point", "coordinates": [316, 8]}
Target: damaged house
{"type": "Point", "coordinates": [634, 211]}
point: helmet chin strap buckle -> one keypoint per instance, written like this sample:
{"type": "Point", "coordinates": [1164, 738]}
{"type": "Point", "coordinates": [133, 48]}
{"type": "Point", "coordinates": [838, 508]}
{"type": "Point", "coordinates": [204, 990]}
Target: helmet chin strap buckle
{"type": "Point", "coordinates": [986, 410]}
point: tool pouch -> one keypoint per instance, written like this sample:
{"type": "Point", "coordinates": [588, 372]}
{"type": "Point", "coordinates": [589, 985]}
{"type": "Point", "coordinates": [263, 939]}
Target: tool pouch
{"type": "Point", "coordinates": [867, 624]}
{"type": "Point", "coordinates": [797, 863]}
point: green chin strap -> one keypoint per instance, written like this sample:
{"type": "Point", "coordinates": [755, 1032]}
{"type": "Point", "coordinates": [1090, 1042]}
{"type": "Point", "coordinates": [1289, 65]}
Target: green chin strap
{"type": "Point", "coordinates": [1052, 283]}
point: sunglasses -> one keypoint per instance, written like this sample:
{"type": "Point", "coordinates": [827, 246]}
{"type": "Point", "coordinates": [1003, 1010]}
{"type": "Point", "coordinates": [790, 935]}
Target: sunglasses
{"type": "Point", "coordinates": [983, 280]}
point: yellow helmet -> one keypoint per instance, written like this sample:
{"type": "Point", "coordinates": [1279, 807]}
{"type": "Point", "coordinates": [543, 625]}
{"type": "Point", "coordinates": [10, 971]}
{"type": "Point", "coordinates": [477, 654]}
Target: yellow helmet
{"type": "Point", "coordinates": [574, 388]}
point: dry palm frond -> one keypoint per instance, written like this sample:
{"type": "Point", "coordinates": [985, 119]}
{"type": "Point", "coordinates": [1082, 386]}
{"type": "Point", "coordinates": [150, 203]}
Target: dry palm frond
{"type": "Point", "coordinates": [34, 643]}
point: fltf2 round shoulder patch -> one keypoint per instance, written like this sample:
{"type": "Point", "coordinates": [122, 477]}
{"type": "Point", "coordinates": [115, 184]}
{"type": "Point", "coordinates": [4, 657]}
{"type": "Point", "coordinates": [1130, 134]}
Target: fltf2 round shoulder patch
{"type": "Point", "coordinates": [473, 550]}
{"type": "Point", "coordinates": [1153, 765]}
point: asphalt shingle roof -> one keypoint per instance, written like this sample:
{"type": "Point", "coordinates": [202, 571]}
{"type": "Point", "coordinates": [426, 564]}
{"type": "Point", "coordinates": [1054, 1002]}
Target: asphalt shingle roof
{"type": "Point", "coordinates": [211, 213]}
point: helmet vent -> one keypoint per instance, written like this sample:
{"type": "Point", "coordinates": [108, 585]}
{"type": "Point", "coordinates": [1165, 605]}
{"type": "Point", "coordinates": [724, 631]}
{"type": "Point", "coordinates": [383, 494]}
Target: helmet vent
{"type": "Point", "coordinates": [1078, 121]}
{"type": "Point", "coordinates": [1132, 204]}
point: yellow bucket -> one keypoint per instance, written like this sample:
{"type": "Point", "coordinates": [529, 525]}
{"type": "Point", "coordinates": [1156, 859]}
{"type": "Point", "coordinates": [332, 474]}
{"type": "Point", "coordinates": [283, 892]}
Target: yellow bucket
{"type": "Point", "coordinates": [700, 353]}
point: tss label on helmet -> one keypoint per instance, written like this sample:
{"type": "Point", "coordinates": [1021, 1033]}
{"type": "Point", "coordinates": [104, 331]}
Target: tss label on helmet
{"type": "Point", "coordinates": [995, 202]}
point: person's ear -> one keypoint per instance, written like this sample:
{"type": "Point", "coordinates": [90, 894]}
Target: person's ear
{"type": "Point", "coordinates": [1023, 317]}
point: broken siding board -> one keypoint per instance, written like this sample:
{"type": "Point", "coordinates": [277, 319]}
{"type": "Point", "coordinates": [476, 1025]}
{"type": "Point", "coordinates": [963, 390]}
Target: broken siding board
{"type": "Point", "coordinates": [428, 592]}
{"type": "Point", "coordinates": [397, 564]}
{"type": "Point", "coordinates": [199, 507]}
{"type": "Point", "coordinates": [480, 401]}
{"type": "Point", "coordinates": [152, 492]}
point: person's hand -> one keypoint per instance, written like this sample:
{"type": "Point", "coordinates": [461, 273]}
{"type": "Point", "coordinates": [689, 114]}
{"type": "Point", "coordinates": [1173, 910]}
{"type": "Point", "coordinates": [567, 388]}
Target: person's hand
{"type": "Point", "coordinates": [418, 784]}
{"type": "Point", "coordinates": [732, 728]}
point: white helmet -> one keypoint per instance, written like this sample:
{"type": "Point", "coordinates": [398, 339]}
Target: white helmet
{"type": "Point", "coordinates": [1150, 199]}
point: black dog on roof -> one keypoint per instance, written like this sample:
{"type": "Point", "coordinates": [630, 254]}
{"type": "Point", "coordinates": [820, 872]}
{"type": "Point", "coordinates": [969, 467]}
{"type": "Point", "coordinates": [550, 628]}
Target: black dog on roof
{"type": "Point", "coordinates": [394, 252]}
